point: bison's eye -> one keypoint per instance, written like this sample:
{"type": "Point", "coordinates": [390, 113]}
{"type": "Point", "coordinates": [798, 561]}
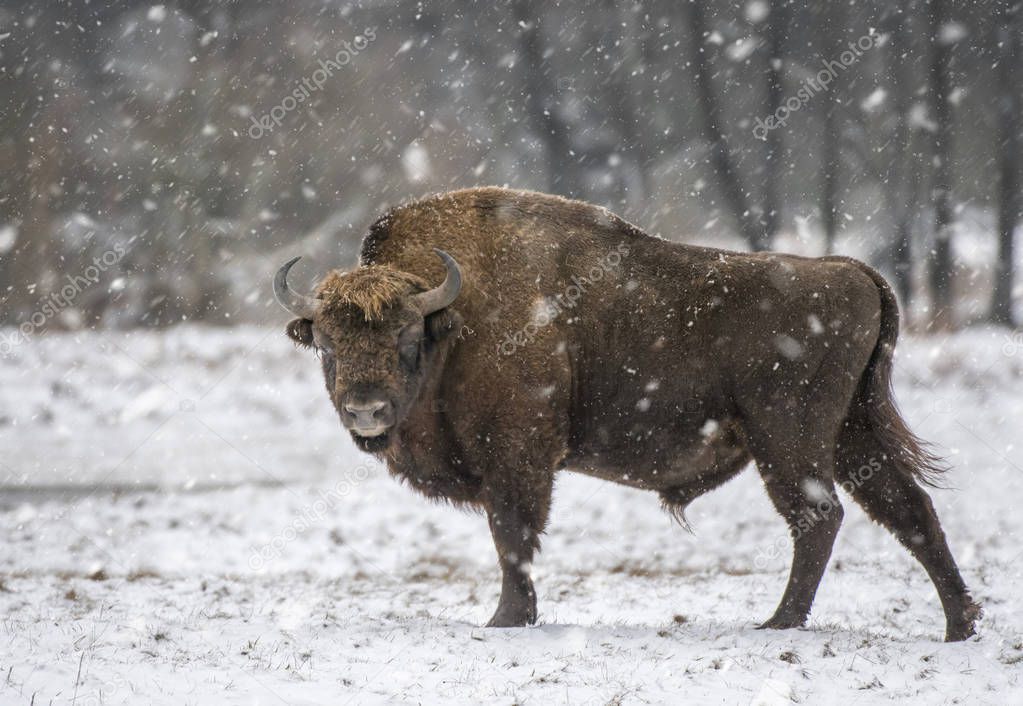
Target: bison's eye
{"type": "Point", "coordinates": [408, 346]}
{"type": "Point", "coordinates": [409, 354]}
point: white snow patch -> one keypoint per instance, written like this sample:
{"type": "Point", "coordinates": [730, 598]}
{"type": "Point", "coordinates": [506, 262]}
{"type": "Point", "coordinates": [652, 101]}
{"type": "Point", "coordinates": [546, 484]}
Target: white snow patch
{"type": "Point", "coordinates": [153, 400]}
{"type": "Point", "coordinates": [774, 692]}
{"type": "Point", "coordinates": [952, 32]}
{"type": "Point", "coordinates": [741, 49]}
{"type": "Point", "coordinates": [8, 237]}
{"type": "Point", "coordinates": [919, 116]}
{"type": "Point", "coordinates": [709, 428]}
{"type": "Point", "coordinates": [875, 100]}
{"type": "Point", "coordinates": [788, 346]}
{"type": "Point", "coordinates": [815, 490]}
{"type": "Point", "coordinates": [415, 161]}
{"type": "Point", "coordinates": [757, 11]}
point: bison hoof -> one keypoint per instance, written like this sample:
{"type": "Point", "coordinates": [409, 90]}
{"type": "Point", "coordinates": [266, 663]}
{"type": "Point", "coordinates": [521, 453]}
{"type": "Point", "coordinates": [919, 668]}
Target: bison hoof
{"type": "Point", "coordinates": [512, 618]}
{"type": "Point", "coordinates": [783, 622]}
{"type": "Point", "coordinates": [966, 627]}
{"type": "Point", "coordinates": [960, 632]}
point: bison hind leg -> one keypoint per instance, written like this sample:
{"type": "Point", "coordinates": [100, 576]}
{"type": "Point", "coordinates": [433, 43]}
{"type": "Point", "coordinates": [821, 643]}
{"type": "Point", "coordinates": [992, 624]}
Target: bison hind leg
{"type": "Point", "coordinates": [893, 498]}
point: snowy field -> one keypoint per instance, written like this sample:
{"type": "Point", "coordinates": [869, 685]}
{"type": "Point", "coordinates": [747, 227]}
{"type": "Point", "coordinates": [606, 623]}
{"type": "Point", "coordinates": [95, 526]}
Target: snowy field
{"type": "Point", "coordinates": [184, 523]}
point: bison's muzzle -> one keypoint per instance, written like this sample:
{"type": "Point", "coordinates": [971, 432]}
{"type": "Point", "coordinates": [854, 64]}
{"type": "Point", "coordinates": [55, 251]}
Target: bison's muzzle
{"type": "Point", "coordinates": [368, 416]}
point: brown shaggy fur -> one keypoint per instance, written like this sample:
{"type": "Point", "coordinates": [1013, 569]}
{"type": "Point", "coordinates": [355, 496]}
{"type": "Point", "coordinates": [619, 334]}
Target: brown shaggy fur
{"type": "Point", "coordinates": [580, 343]}
{"type": "Point", "coordinates": [371, 290]}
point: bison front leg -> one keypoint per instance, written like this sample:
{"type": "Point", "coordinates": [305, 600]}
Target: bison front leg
{"type": "Point", "coordinates": [516, 521]}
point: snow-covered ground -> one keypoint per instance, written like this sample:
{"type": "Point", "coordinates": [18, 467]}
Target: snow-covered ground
{"type": "Point", "coordinates": [184, 523]}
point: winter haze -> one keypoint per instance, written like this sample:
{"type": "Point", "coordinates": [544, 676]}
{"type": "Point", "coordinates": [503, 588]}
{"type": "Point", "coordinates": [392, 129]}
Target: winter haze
{"type": "Point", "coordinates": [186, 522]}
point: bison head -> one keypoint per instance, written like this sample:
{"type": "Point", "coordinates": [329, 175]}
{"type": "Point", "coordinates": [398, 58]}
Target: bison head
{"type": "Point", "coordinates": [380, 335]}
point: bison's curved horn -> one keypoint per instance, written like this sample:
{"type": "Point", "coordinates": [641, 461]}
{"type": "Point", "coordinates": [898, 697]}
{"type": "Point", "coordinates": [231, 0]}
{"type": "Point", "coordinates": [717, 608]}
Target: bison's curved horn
{"type": "Point", "coordinates": [442, 296]}
{"type": "Point", "coordinates": [298, 304]}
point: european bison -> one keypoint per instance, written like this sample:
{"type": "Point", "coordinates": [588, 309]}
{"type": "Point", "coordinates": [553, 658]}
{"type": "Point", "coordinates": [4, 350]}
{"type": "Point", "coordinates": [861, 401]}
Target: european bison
{"type": "Point", "coordinates": [562, 337]}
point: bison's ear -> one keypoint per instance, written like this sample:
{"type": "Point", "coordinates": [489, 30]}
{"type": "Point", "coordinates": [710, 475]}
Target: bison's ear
{"type": "Point", "coordinates": [442, 323]}
{"type": "Point", "coordinates": [301, 332]}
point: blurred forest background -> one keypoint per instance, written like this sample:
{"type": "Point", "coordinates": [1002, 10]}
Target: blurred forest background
{"type": "Point", "coordinates": [192, 146]}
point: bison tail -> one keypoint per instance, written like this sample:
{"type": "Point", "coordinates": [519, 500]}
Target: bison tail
{"type": "Point", "coordinates": [874, 422]}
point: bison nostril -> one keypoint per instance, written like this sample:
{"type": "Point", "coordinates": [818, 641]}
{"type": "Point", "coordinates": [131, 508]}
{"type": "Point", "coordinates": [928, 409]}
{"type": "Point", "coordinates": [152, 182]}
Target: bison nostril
{"type": "Point", "coordinates": [367, 413]}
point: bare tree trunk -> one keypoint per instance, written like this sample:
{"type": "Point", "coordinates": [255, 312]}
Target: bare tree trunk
{"type": "Point", "coordinates": [712, 131]}
{"type": "Point", "coordinates": [562, 164]}
{"type": "Point", "coordinates": [619, 95]}
{"type": "Point", "coordinates": [15, 158]}
{"type": "Point", "coordinates": [831, 148]}
{"type": "Point", "coordinates": [903, 167]}
{"type": "Point", "coordinates": [941, 190]}
{"type": "Point", "coordinates": [30, 169]}
{"type": "Point", "coordinates": [1009, 108]}
{"type": "Point", "coordinates": [834, 22]}
{"type": "Point", "coordinates": [777, 23]}
{"type": "Point", "coordinates": [829, 179]}
{"type": "Point", "coordinates": [33, 261]}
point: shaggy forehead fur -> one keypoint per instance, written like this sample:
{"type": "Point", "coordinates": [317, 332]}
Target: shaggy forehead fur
{"type": "Point", "coordinates": [372, 289]}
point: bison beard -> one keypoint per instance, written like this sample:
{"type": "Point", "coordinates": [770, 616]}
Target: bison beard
{"type": "Point", "coordinates": [673, 369]}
